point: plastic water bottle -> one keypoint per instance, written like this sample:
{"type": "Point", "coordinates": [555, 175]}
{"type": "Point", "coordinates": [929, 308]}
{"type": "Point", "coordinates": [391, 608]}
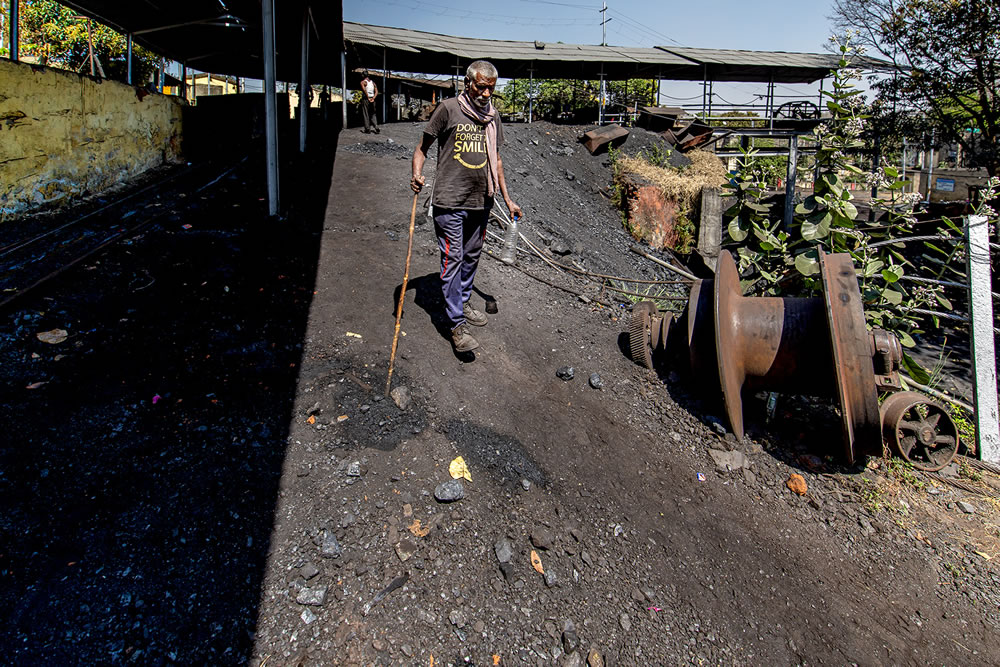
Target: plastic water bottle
{"type": "Point", "coordinates": [509, 254]}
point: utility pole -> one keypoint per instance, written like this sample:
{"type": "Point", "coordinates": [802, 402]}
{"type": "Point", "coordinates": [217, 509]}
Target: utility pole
{"type": "Point", "coordinates": [604, 42]}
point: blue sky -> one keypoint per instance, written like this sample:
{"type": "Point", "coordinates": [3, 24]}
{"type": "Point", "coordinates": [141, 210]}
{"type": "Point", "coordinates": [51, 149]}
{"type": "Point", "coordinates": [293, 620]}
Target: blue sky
{"type": "Point", "coordinates": [774, 25]}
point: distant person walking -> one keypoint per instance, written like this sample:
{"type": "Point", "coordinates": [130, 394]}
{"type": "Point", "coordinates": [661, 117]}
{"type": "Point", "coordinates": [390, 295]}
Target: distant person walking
{"type": "Point", "coordinates": [469, 135]}
{"type": "Point", "coordinates": [369, 91]}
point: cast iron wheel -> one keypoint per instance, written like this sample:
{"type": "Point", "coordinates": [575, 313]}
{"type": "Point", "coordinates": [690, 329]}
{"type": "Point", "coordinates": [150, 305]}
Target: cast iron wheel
{"type": "Point", "coordinates": [640, 341]}
{"type": "Point", "coordinates": [919, 430]}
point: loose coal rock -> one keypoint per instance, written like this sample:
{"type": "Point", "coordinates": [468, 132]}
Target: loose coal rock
{"type": "Point", "coordinates": [570, 641]}
{"type": "Point", "coordinates": [565, 373]}
{"type": "Point", "coordinates": [595, 381]}
{"type": "Point", "coordinates": [315, 597]}
{"type": "Point", "coordinates": [560, 248]}
{"type": "Point", "coordinates": [401, 396]}
{"type": "Point", "coordinates": [309, 571]}
{"type": "Point", "coordinates": [625, 622]}
{"type": "Point", "coordinates": [450, 491]}
{"type": "Point", "coordinates": [331, 547]}
{"type": "Point", "coordinates": [542, 537]}
{"type": "Point", "coordinates": [504, 550]}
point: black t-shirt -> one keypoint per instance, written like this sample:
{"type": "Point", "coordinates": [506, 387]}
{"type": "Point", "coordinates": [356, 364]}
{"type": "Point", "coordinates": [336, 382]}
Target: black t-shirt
{"type": "Point", "coordinates": [462, 172]}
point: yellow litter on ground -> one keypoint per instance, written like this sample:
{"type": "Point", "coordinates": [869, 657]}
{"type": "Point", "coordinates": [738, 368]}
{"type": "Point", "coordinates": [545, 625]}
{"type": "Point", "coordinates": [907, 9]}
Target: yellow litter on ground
{"type": "Point", "coordinates": [457, 468]}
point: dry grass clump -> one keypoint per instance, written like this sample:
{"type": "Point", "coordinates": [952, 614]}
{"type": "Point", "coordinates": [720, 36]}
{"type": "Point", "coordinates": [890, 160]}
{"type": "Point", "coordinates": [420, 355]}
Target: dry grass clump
{"type": "Point", "coordinates": [681, 185]}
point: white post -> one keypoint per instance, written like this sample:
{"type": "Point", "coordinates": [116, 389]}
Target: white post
{"type": "Point", "coordinates": [977, 238]}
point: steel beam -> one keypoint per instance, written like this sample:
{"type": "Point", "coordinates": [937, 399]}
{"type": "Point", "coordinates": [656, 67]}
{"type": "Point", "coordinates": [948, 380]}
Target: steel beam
{"type": "Point", "coordinates": [270, 107]}
{"type": "Point", "coordinates": [304, 83]}
{"type": "Point", "coordinates": [343, 88]}
{"type": "Point", "coordinates": [14, 36]}
{"type": "Point", "coordinates": [128, 58]}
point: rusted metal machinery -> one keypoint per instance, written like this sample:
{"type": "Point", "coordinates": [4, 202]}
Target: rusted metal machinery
{"type": "Point", "coordinates": [816, 346]}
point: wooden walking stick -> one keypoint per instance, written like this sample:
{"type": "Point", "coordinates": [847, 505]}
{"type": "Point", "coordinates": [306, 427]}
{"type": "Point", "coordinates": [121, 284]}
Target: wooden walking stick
{"type": "Point", "coordinates": [402, 295]}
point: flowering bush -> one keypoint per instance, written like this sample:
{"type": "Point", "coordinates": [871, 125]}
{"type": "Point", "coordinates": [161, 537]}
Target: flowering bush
{"type": "Point", "coordinates": [780, 261]}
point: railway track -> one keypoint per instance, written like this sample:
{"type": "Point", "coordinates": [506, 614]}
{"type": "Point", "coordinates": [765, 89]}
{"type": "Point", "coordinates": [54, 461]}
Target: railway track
{"type": "Point", "coordinates": [30, 257]}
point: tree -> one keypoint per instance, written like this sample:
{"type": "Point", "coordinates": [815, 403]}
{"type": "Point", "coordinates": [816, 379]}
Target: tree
{"type": "Point", "coordinates": [58, 36]}
{"type": "Point", "coordinates": [555, 96]}
{"type": "Point", "coordinates": [946, 62]}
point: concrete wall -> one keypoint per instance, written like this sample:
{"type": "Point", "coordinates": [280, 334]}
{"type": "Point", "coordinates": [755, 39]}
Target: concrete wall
{"type": "Point", "coordinates": [63, 135]}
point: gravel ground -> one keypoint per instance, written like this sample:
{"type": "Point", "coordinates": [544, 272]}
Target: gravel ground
{"type": "Point", "coordinates": [206, 470]}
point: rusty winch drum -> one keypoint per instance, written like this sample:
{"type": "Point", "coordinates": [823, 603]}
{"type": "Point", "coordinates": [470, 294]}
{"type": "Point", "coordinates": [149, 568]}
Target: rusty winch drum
{"type": "Point", "coordinates": [817, 346]}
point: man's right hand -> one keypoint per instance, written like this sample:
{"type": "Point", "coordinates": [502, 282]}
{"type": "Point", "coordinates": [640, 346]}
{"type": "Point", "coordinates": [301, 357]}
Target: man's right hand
{"type": "Point", "coordinates": [417, 183]}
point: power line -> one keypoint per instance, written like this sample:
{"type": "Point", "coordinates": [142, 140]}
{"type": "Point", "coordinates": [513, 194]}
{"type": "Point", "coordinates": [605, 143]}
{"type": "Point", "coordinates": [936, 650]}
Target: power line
{"type": "Point", "coordinates": [637, 25]}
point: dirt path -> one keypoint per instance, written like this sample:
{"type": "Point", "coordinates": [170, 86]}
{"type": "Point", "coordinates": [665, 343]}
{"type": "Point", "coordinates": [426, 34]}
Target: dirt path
{"type": "Point", "coordinates": [205, 470]}
{"type": "Point", "coordinates": [650, 565]}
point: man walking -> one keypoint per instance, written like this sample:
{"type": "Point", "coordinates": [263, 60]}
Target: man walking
{"type": "Point", "coordinates": [469, 134]}
{"type": "Point", "coordinates": [369, 91]}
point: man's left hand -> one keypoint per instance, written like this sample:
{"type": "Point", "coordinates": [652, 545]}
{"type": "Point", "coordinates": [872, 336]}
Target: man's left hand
{"type": "Point", "coordinates": [515, 210]}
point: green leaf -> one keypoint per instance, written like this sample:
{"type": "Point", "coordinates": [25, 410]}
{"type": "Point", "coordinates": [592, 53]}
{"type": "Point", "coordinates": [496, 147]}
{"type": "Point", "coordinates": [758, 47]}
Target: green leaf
{"type": "Point", "coordinates": [906, 340]}
{"type": "Point", "coordinates": [850, 211]}
{"type": "Point", "coordinates": [736, 231]}
{"type": "Point", "coordinates": [890, 276]}
{"type": "Point", "coordinates": [807, 263]}
{"type": "Point", "coordinates": [872, 267]}
{"type": "Point", "coordinates": [812, 232]}
{"type": "Point", "coordinates": [915, 370]}
{"type": "Point", "coordinates": [807, 206]}
{"type": "Point", "coordinates": [892, 296]}
{"type": "Point", "coordinates": [945, 303]}
{"type": "Point", "coordinates": [732, 211]}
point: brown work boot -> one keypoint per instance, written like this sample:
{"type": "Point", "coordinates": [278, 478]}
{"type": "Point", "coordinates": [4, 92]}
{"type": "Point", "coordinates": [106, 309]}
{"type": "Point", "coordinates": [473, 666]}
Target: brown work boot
{"type": "Point", "coordinates": [462, 339]}
{"type": "Point", "coordinates": [472, 316]}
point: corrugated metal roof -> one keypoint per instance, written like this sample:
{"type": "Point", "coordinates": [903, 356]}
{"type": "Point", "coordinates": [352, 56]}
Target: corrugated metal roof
{"type": "Point", "coordinates": [447, 54]}
{"type": "Point", "coordinates": [443, 53]}
{"type": "Point", "coordinates": [472, 48]}
{"type": "Point", "coordinates": [734, 57]}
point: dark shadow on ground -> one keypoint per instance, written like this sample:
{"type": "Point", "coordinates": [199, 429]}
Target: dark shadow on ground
{"type": "Point", "coordinates": [141, 459]}
{"type": "Point", "coordinates": [428, 296]}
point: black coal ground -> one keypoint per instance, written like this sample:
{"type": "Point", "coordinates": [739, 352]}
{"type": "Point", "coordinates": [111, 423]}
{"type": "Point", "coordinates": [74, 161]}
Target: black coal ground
{"type": "Point", "coordinates": [172, 489]}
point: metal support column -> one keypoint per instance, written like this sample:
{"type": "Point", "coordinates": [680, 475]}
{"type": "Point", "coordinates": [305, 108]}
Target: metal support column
{"type": "Point", "coordinates": [343, 88]}
{"type": "Point", "coordinates": [600, 110]}
{"type": "Point", "coordinates": [14, 36]}
{"type": "Point", "coordinates": [385, 88]}
{"type": "Point", "coordinates": [793, 160]}
{"type": "Point", "coordinates": [163, 74]}
{"type": "Point", "coordinates": [531, 93]}
{"type": "Point", "coordinates": [977, 238]}
{"type": "Point", "coordinates": [304, 83]}
{"type": "Point", "coordinates": [270, 107]}
{"type": "Point", "coordinates": [770, 102]}
{"type": "Point", "coordinates": [128, 59]}
{"type": "Point", "coordinates": [704, 88]}
{"type": "Point", "coordinates": [184, 81]}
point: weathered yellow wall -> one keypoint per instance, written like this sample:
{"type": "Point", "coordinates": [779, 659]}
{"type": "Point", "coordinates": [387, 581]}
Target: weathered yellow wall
{"type": "Point", "coordinates": [63, 135]}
